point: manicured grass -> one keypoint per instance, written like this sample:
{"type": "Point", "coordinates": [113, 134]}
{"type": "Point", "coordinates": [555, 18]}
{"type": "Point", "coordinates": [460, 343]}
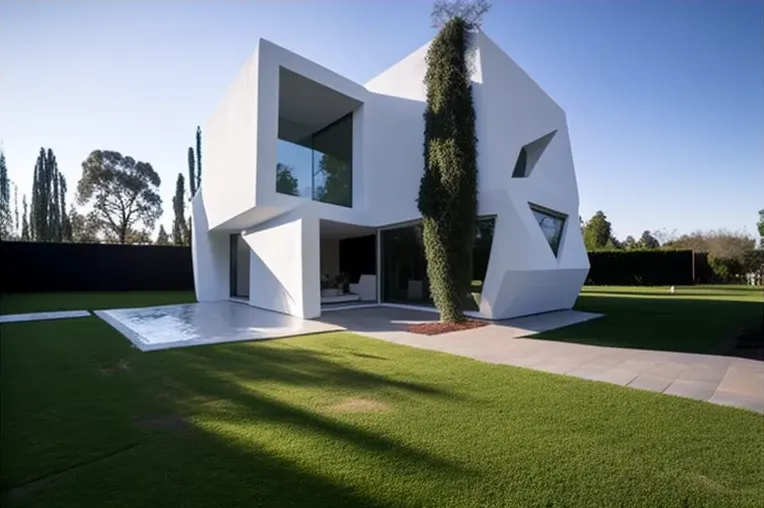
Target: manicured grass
{"type": "Point", "coordinates": [697, 319]}
{"type": "Point", "coordinates": [339, 420]}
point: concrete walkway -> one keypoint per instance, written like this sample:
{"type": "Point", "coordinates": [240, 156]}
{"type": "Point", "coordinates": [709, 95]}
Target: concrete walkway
{"type": "Point", "coordinates": [717, 379]}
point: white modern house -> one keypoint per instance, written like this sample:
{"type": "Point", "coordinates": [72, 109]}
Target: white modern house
{"type": "Point", "coordinates": [309, 175]}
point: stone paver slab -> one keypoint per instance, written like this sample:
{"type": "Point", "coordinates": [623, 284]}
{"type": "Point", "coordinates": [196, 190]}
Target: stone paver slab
{"type": "Point", "coordinates": [651, 383]}
{"type": "Point", "coordinates": [752, 402]}
{"type": "Point", "coordinates": [698, 390]}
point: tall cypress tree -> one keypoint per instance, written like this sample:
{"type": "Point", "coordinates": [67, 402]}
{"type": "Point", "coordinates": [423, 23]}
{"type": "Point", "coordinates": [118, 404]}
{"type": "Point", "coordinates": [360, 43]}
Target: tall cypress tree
{"type": "Point", "coordinates": [17, 225]}
{"type": "Point", "coordinates": [448, 189]}
{"type": "Point", "coordinates": [48, 189]}
{"type": "Point", "coordinates": [25, 233]}
{"type": "Point", "coordinates": [198, 157]}
{"type": "Point", "coordinates": [6, 217]}
{"type": "Point", "coordinates": [191, 171]}
{"type": "Point", "coordinates": [179, 228]}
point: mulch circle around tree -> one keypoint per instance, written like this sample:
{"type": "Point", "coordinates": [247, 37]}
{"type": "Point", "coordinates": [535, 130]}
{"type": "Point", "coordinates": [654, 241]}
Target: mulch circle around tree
{"type": "Point", "coordinates": [436, 327]}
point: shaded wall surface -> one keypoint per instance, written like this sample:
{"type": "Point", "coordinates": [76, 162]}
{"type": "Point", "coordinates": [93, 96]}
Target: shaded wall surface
{"type": "Point", "coordinates": [35, 267]}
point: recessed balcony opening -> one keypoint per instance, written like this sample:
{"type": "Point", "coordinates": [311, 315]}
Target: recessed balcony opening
{"type": "Point", "coordinates": [348, 265]}
{"type": "Point", "coordinates": [314, 152]}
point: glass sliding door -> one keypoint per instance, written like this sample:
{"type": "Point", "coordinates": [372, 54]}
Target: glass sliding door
{"type": "Point", "coordinates": [404, 267]}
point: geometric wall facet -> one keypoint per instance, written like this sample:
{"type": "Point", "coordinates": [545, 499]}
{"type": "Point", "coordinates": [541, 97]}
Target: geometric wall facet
{"type": "Point", "coordinates": [552, 225]}
{"type": "Point", "coordinates": [530, 154]}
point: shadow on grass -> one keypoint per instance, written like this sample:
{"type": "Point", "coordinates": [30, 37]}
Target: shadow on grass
{"type": "Point", "coordinates": [249, 424]}
{"type": "Point", "coordinates": [666, 324]}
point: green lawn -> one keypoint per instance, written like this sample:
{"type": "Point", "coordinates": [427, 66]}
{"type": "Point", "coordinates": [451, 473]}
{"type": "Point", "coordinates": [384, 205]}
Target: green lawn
{"type": "Point", "coordinates": [697, 319]}
{"type": "Point", "coordinates": [338, 420]}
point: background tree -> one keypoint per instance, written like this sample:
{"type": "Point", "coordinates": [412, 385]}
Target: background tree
{"type": "Point", "coordinates": [597, 232]}
{"type": "Point", "coordinates": [613, 243]}
{"type": "Point", "coordinates": [124, 194]}
{"type": "Point", "coordinates": [26, 233]}
{"type": "Point", "coordinates": [139, 236]}
{"type": "Point", "coordinates": [191, 171]}
{"type": "Point", "coordinates": [6, 217]}
{"type": "Point", "coordinates": [648, 241]}
{"type": "Point", "coordinates": [17, 224]}
{"type": "Point", "coordinates": [162, 238]}
{"type": "Point", "coordinates": [198, 157]}
{"type": "Point", "coordinates": [729, 252]}
{"type": "Point", "coordinates": [47, 218]}
{"type": "Point", "coordinates": [179, 226]}
{"type": "Point", "coordinates": [286, 183]}
{"type": "Point", "coordinates": [84, 228]}
{"type": "Point", "coordinates": [760, 227]}
{"type": "Point", "coordinates": [448, 188]}
{"type": "Point", "coordinates": [630, 243]}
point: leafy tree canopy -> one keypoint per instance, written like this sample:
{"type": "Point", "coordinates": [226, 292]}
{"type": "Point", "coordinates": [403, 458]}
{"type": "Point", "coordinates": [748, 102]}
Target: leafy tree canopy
{"type": "Point", "coordinates": [597, 232]}
{"type": "Point", "coordinates": [124, 194]}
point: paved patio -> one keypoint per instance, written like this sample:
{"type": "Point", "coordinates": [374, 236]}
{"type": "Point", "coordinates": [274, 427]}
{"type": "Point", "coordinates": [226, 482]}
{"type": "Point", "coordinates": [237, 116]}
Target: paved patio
{"type": "Point", "coordinates": [717, 379]}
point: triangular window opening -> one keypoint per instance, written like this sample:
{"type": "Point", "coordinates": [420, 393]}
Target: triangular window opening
{"type": "Point", "coordinates": [552, 225]}
{"type": "Point", "coordinates": [530, 154]}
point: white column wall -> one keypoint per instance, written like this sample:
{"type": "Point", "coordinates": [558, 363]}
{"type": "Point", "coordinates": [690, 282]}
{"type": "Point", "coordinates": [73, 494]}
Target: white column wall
{"type": "Point", "coordinates": [284, 265]}
{"type": "Point", "coordinates": [210, 254]}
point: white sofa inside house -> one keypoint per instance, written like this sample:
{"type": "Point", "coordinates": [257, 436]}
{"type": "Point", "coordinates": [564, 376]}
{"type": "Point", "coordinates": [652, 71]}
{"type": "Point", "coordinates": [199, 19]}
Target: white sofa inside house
{"type": "Point", "coordinates": [365, 288]}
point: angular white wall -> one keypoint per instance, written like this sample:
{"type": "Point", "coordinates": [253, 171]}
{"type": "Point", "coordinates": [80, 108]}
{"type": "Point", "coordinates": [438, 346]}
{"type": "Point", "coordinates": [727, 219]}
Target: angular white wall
{"type": "Point", "coordinates": [284, 265]}
{"type": "Point", "coordinates": [210, 253]}
{"type": "Point", "coordinates": [230, 148]}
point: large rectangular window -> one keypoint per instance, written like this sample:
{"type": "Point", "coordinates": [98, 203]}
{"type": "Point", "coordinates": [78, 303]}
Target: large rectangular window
{"type": "Point", "coordinates": [404, 266]}
{"type": "Point", "coordinates": [319, 165]}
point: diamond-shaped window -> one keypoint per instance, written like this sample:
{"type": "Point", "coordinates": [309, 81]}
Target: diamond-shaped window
{"type": "Point", "coordinates": [530, 154]}
{"type": "Point", "coordinates": [552, 225]}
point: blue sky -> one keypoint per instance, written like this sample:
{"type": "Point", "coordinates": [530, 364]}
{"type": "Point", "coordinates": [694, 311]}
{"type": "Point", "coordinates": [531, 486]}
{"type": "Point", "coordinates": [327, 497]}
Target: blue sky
{"type": "Point", "coordinates": [665, 99]}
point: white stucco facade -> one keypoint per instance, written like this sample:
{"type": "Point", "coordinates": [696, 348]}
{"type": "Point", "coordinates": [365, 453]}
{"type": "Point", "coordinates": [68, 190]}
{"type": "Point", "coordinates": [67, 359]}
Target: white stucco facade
{"type": "Point", "coordinates": [280, 99]}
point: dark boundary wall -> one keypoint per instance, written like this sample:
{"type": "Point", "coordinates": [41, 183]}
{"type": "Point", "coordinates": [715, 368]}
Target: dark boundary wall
{"type": "Point", "coordinates": [36, 267]}
{"type": "Point", "coordinates": [642, 268]}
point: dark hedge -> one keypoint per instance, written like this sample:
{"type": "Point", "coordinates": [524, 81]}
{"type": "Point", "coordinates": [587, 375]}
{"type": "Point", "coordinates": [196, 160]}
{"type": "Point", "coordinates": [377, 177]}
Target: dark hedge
{"type": "Point", "coordinates": [641, 268]}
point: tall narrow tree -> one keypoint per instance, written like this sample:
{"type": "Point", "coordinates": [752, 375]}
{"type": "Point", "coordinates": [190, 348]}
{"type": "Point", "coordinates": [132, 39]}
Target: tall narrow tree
{"type": "Point", "coordinates": [17, 225]}
{"type": "Point", "coordinates": [179, 227]}
{"type": "Point", "coordinates": [191, 172]}
{"type": "Point", "coordinates": [198, 157]}
{"type": "Point", "coordinates": [45, 213]}
{"type": "Point", "coordinates": [6, 217]}
{"type": "Point", "coordinates": [65, 229]}
{"type": "Point", "coordinates": [448, 189]}
{"type": "Point", "coordinates": [25, 230]}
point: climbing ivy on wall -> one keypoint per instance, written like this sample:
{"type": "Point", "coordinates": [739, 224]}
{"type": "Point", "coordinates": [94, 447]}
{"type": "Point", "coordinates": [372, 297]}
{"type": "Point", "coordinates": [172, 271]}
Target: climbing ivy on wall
{"type": "Point", "coordinates": [448, 188]}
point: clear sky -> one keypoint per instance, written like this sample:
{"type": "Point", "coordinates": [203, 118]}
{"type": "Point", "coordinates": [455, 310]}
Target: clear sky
{"type": "Point", "coordinates": [665, 99]}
